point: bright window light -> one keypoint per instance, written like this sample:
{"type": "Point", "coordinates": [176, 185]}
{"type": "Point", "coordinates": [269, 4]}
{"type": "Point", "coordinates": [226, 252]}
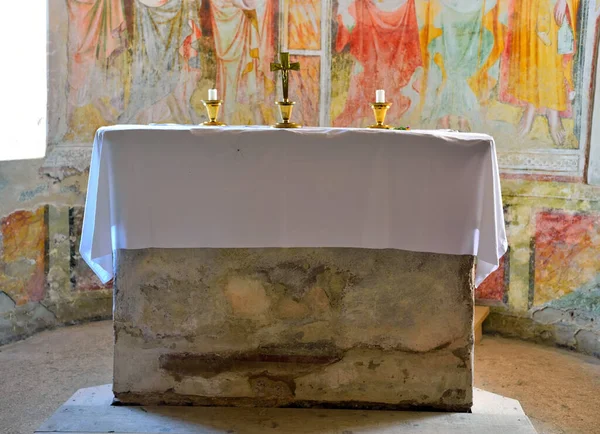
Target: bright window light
{"type": "Point", "coordinates": [23, 80]}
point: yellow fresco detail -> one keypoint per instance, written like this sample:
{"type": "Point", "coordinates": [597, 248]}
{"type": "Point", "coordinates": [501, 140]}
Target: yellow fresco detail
{"type": "Point", "coordinates": [251, 14]}
{"type": "Point", "coordinates": [305, 90]}
{"type": "Point", "coordinates": [482, 83]}
{"type": "Point", "coordinates": [536, 69]}
{"type": "Point", "coordinates": [498, 113]}
{"type": "Point", "coordinates": [427, 11]}
{"type": "Point", "coordinates": [24, 236]}
{"type": "Point", "coordinates": [341, 68]}
{"type": "Point", "coordinates": [84, 122]}
{"type": "Point", "coordinates": [230, 48]}
{"type": "Point", "coordinates": [304, 24]}
{"type": "Point", "coordinates": [439, 61]}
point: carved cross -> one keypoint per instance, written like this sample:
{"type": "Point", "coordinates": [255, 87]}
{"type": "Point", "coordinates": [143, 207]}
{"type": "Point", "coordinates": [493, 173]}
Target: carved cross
{"type": "Point", "coordinates": [285, 66]}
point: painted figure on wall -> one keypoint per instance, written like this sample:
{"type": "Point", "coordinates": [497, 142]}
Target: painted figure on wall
{"type": "Point", "coordinates": [96, 37]}
{"type": "Point", "coordinates": [383, 39]}
{"type": "Point", "coordinates": [495, 66]}
{"type": "Point", "coordinates": [540, 48]}
{"type": "Point", "coordinates": [463, 45]}
{"type": "Point", "coordinates": [166, 62]}
{"type": "Point", "coordinates": [243, 32]}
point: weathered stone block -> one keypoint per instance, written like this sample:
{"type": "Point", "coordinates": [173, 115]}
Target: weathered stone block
{"type": "Point", "coordinates": [294, 327]}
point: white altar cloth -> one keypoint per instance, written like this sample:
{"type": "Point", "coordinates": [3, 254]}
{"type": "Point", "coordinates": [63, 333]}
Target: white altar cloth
{"type": "Point", "coordinates": [193, 187]}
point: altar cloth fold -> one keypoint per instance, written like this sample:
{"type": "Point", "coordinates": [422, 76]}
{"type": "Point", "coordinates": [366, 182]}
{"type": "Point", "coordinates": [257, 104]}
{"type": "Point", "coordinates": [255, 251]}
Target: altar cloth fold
{"type": "Point", "coordinates": [256, 187]}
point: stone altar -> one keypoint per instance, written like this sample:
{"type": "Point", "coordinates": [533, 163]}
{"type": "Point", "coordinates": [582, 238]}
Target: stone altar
{"type": "Point", "coordinates": [300, 327]}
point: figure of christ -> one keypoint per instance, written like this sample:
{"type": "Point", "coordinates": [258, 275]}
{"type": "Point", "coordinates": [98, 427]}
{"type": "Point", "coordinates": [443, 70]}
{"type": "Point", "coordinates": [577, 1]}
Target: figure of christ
{"type": "Point", "coordinates": [538, 64]}
{"type": "Point", "coordinates": [244, 46]}
{"type": "Point", "coordinates": [165, 66]}
{"type": "Point", "coordinates": [383, 39]}
{"type": "Point", "coordinates": [459, 56]}
{"type": "Point", "coordinates": [96, 37]}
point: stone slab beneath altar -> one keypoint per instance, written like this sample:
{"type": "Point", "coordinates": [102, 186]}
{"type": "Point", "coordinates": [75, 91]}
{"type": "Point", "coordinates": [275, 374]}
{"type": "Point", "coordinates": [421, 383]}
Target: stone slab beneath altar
{"type": "Point", "coordinates": [304, 327]}
{"type": "Point", "coordinates": [91, 410]}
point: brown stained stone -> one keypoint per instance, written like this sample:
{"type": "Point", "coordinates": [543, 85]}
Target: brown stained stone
{"type": "Point", "coordinates": [291, 309]}
{"type": "Point", "coordinates": [291, 278]}
{"type": "Point", "coordinates": [317, 301]}
{"type": "Point", "coordinates": [335, 282]}
{"type": "Point", "coordinates": [285, 359]}
{"type": "Point", "coordinates": [348, 328]}
{"type": "Point", "coordinates": [248, 298]}
{"type": "Point", "coordinates": [171, 398]}
{"type": "Point", "coordinates": [272, 387]}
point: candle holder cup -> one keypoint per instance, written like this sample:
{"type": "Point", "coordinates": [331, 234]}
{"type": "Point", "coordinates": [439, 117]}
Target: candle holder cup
{"type": "Point", "coordinates": [285, 109]}
{"type": "Point", "coordinates": [212, 109]}
{"type": "Point", "coordinates": [380, 110]}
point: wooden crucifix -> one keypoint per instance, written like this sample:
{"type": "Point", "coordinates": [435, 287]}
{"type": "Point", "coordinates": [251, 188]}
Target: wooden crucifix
{"type": "Point", "coordinates": [285, 66]}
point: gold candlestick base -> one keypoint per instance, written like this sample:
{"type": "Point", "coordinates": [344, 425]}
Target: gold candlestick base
{"type": "Point", "coordinates": [285, 108]}
{"type": "Point", "coordinates": [380, 110]}
{"type": "Point", "coordinates": [212, 109]}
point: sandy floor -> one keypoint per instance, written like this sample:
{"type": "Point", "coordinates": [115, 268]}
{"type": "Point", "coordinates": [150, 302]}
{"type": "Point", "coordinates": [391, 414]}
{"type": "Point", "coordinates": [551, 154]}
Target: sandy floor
{"type": "Point", "coordinates": [559, 390]}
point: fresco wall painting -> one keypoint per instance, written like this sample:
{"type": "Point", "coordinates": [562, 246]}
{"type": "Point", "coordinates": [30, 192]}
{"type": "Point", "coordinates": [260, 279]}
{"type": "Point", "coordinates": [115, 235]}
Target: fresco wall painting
{"type": "Point", "coordinates": [567, 253]}
{"type": "Point", "coordinates": [505, 67]}
{"type": "Point", "coordinates": [24, 253]}
{"type": "Point", "coordinates": [519, 70]}
{"type": "Point", "coordinates": [493, 289]}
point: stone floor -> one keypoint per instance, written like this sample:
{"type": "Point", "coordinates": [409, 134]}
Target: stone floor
{"type": "Point", "coordinates": [559, 390]}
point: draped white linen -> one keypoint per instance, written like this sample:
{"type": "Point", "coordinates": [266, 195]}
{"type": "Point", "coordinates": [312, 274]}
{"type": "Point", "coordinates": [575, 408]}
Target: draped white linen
{"type": "Point", "coordinates": [245, 187]}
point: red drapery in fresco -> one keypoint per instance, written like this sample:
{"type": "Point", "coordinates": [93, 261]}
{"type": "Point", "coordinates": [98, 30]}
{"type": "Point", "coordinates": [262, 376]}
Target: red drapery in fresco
{"type": "Point", "coordinates": [95, 34]}
{"type": "Point", "coordinates": [387, 45]}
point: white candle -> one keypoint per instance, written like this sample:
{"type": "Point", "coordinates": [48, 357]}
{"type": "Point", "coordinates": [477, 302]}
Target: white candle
{"type": "Point", "coordinates": [380, 95]}
{"type": "Point", "coordinates": [212, 94]}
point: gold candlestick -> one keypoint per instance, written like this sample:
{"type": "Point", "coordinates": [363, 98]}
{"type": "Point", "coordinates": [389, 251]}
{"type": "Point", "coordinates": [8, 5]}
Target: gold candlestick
{"type": "Point", "coordinates": [212, 109]}
{"type": "Point", "coordinates": [380, 110]}
{"type": "Point", "coordinates": [286, 106]}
